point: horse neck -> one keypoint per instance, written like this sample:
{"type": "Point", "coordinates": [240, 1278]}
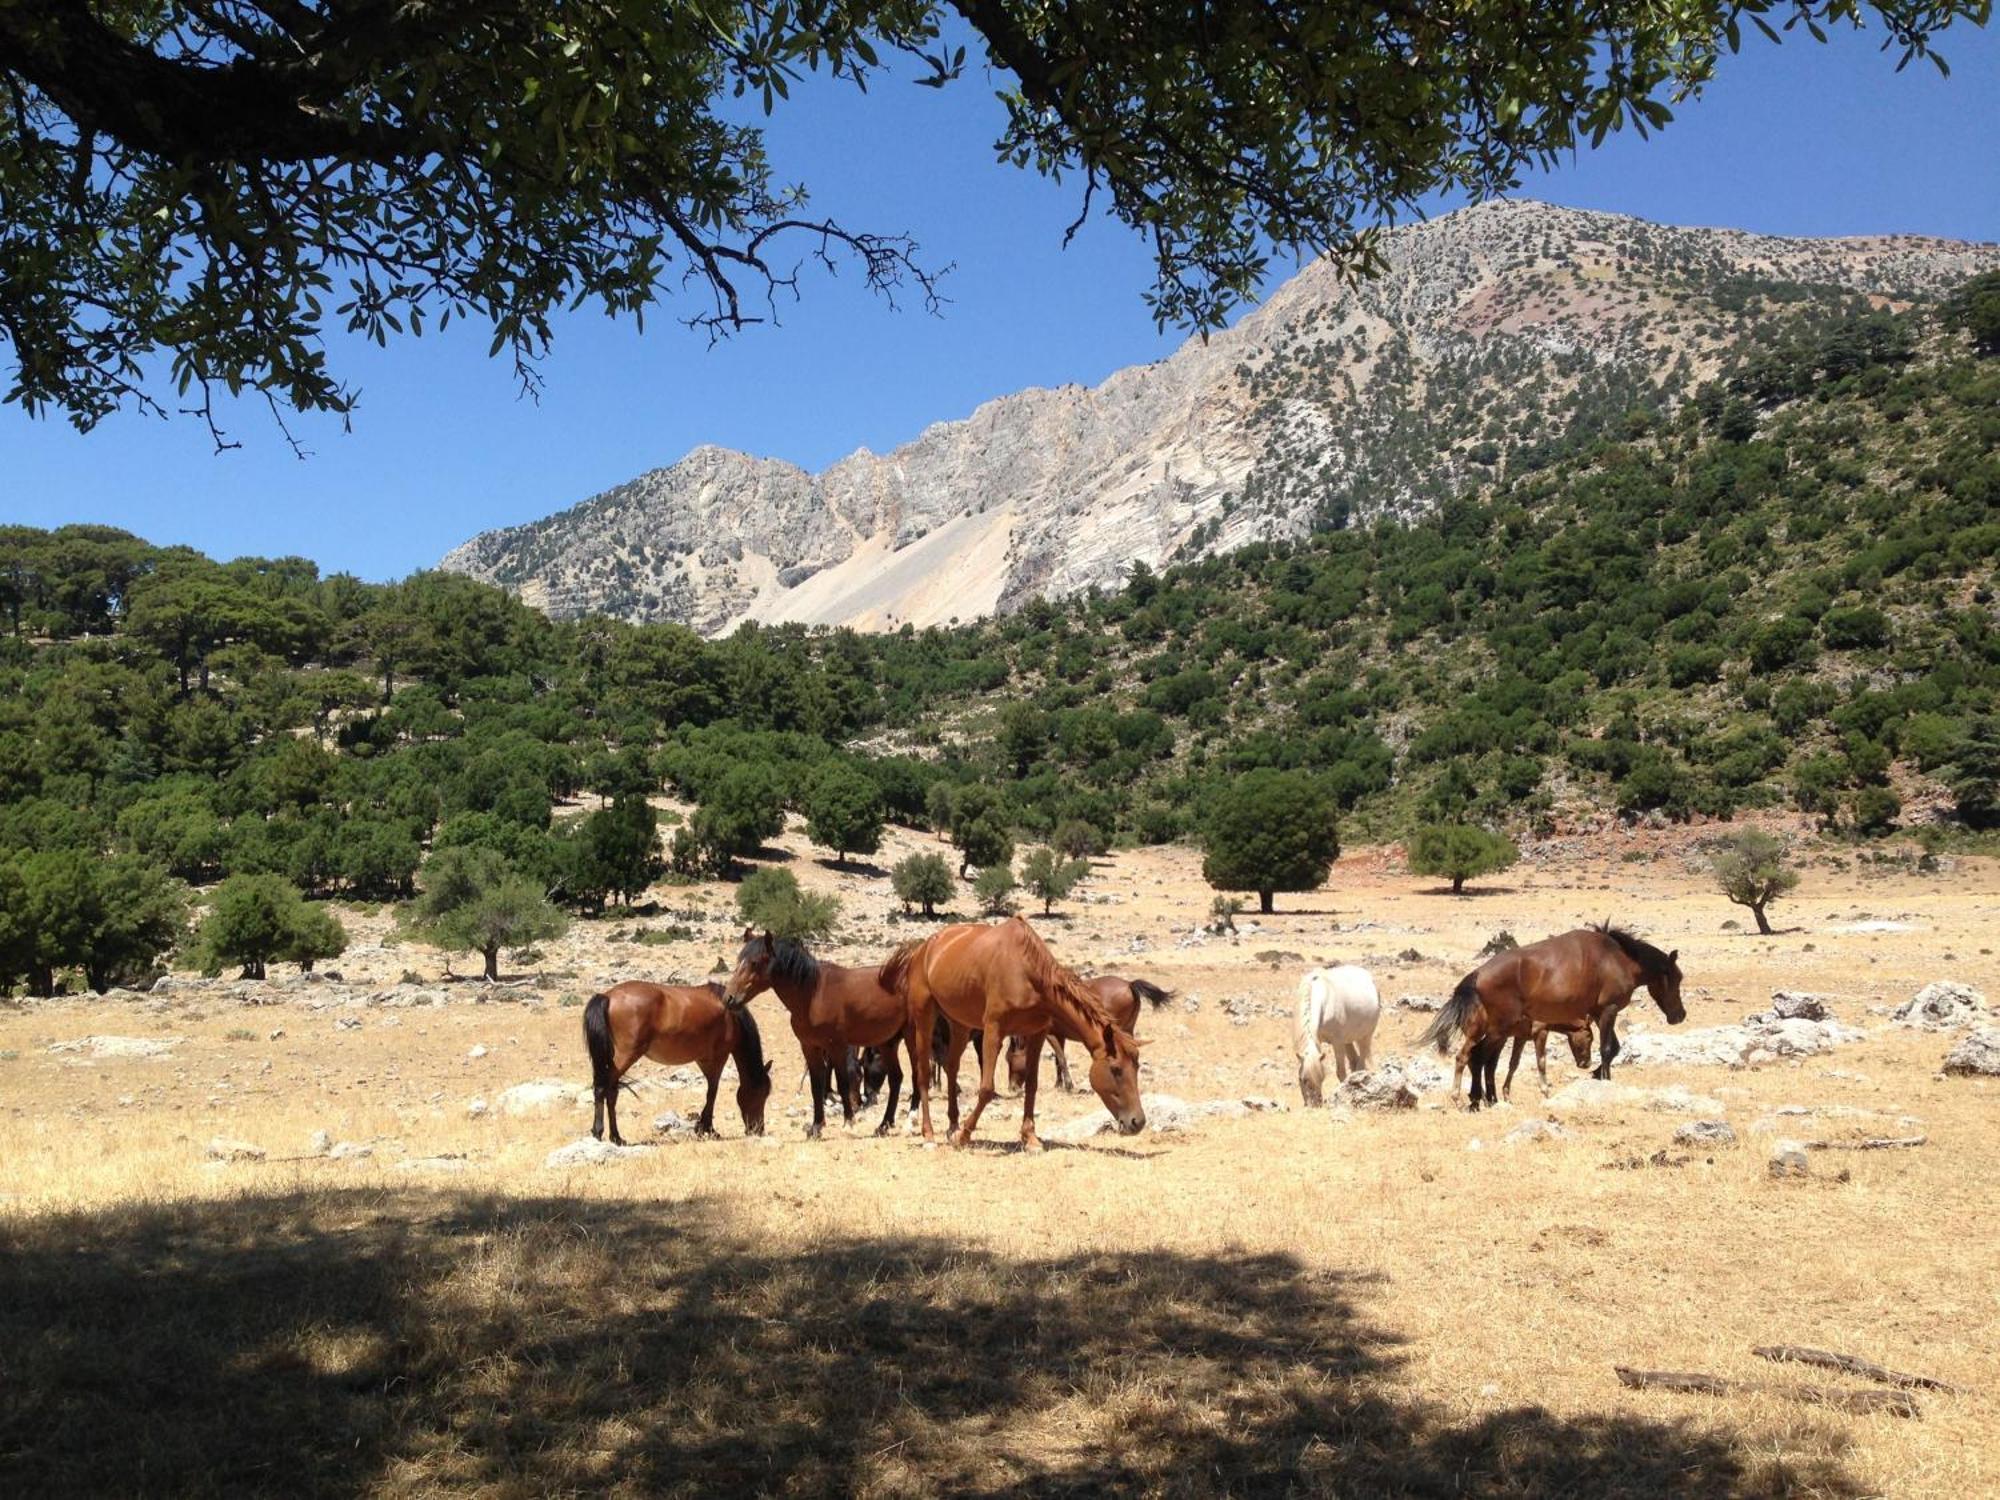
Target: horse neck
{"type": "Point", "coordinates": [795, 996]}
{"type": "Point", "coordinates": [1070, 1021]}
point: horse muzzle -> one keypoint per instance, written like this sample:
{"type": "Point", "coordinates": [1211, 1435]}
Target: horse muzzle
{"type": "Point", "coordinates": [1132, 1124]}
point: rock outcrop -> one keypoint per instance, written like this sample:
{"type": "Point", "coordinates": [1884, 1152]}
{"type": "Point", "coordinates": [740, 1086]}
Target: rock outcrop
{"type": "Point", "coordinates": [1493, 336]}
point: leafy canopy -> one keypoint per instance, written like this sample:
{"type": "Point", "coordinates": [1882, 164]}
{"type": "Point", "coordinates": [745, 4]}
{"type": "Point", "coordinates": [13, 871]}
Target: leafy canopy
{"type": "Point", "coordinates": [1751, 870]}
{"type": "Point", "coordinates": [220, 183]}
{"type": "Point", "coordinates": [923, 880]}
{"type": "Point", "coordinates": [1460, 852]}
{"type": "Point", "coordinates": [773, 900]}
{"type": "Point", "coordinates": [1269, 831]}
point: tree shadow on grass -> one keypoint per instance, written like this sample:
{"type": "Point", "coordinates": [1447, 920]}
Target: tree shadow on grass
{"type": "Point", "coordinates": [325, 1343]}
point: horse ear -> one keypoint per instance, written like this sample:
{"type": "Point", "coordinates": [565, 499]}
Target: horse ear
{"type": "Point", "coordinates": [1110, 1038]}
{"type": "Point", "coordinates": [749, 933]}
{"type": "Point", "coordinates": [1674, 957]}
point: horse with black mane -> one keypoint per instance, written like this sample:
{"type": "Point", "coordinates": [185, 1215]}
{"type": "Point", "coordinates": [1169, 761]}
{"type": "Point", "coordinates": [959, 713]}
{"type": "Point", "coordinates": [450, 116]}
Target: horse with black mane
{"type": "Point", "coordinates": [832, 1008]}
{"type": "Point", "coordinates": [1583, 977]}
{"type": "Point", "coordinates": [672, 1024]}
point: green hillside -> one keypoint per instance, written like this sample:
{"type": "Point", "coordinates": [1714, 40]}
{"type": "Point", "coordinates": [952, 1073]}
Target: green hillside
{"type": "Point", "coordinates": [1780, 594]}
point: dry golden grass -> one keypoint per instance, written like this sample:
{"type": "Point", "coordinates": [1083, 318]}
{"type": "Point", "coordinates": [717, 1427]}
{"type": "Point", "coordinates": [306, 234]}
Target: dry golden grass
{"type": "Point", "coordinates": [1278, 1304]}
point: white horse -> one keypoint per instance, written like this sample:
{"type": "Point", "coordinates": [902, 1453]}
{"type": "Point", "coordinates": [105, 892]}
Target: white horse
{"type": "Point", "coordinates": [1338, 1008]}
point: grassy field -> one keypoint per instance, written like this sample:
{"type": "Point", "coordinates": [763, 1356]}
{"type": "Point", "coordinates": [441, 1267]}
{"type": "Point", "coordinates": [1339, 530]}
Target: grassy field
{"type": "Point", "coordinates": [1290, 1302]}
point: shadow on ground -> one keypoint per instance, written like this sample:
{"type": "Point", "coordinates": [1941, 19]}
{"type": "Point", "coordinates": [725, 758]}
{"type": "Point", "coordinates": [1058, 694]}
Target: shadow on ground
{"type": "Point", "coordinates": [333, 1342]}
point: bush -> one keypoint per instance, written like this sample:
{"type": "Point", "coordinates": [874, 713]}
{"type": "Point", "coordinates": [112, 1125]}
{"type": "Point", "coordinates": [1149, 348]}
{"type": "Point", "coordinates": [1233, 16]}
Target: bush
{"type": "Point", "coordinates": [1050, 878]}
{"type": "Point", "coordinates": [1751, 871]}
{"type": "Point", "coordinates": [255, 919]}
{"type": "Point", "coordinates": [470, 899]}
{"type": "Point", "coordinates": [1077, 839]}
{"type": "Point", "coordinates": [773, 900]}
{"type": "Point", "coordinates": [923, 880]}
{"type": "Point", "coordinates": [1269, 831]}
{"type": "Point", "coordinates": [844, 812]}
{"type": "Point", "coordinates": [746, 807]}
{"type": "Point", "coordinates": [994, 890]}
{"type": "Point", "coordinates": [979, 827]}
{"type": "Point", "coordinates": [1876, 809]}
{"type": "Point", "coordinates": [112, 918]}
{"type": "Point", "coordinates": [1460, 852]}
{"type": "Point", "coordinates": [1854, 629]}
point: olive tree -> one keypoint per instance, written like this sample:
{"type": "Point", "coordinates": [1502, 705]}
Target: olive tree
{"type": "Point", "coordinates": [1751, 870]}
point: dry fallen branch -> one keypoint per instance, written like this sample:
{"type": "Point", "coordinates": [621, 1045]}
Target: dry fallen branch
{"type": "Point", "coordinates": [1897, 1403]}
{"type": "Point", "coordinates": [1876, 1143]}
{"type": "Point", "coordinates": [1827, 1359]}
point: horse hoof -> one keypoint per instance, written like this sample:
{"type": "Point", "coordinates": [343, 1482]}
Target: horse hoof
{"type": "Point", "coordinates": [1031, 1143]}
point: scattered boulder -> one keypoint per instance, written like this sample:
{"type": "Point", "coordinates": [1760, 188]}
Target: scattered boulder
{"type": "Point", "coordinates": [1977, 1054]}
{"type": "Point", "coordinates": [1261, 1103]}
{"type": "Point", "coordinates": [590, 1152]}
{"type": "Point", "coordinates": [1596, 1093]}
{"type": "Point", "coordinates": [1705, 1133]}
{"type": "Point", "coordinates": [541, 1097]}
{"type": "Point", "coordinates": [118, 1046]}
{"type": "Point", "coordinates": [224, 1149]}
{"type": "Point", "coordinates": [1795, 1005]}
{"type": "Point", "coordinates": [349, 1151]}
{"type": "Point", "coordinates": [347, 1023]}
{"type": "Point", "coordinates": [1528, 1132]}
{"type": "Point", "coordinates": [1393, 1083]}
{"type": "Point", "coordinates": [1165, 1115]}
{"type": "Point", "coordinates": [475, 1108]}
{"type": "Point", "coordinates": [1942, 1005]}
{"type": "Point", "coordinates": [446, 1163]}
{"type": "Point", "coordinates": [672, 1122]}
{"type": "Point", "coordinates": [320, 1144]}
{"type": "Point", "coordinates": [1759, 1040]}
{"type": "Point", "coordinates": [1420, 1002]}
{"type": "Point", "coordinates": [1788, 1159]}
{"type": "Point", "coordinates": [478, 1051]}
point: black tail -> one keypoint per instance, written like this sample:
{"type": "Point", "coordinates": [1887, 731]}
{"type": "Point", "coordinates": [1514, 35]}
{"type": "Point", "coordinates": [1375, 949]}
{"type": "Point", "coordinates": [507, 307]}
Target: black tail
{"type": "Point", "coordinates": [751, 1064]}
{"type": "Point", "coordinates": [1152, 994]}
{"type": "Point", "coordinates": [597, 1042]}
{"type": "Point", "coordinates": [1457, 1011]}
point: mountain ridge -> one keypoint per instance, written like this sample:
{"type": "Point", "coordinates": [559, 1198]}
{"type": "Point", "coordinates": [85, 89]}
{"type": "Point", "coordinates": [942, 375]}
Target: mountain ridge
{"type": "Point", "coordinates": [1494, 332]}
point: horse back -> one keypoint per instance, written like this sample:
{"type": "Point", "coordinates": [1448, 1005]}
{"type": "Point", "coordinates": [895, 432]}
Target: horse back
{"type": "Point", "coordinates": [1349, 1004]}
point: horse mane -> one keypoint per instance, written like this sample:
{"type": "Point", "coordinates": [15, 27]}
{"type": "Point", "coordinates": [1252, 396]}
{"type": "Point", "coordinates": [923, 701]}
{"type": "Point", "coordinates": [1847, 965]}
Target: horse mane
{"type": "Point", "coordinates": [752, 1066]}
{"type": "Point", "coordinates": [1059, 983]}
{"type": "Point", "coordinates": [1641, 952]}
{"type": "Point", "coordinates": [792, 964]}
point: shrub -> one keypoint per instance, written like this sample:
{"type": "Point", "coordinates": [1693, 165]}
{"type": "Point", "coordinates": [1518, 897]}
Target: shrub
{"type": "Point", "coordinates": [922, 880]}
{"type": "Point", "coordinates": [1050, 878]}
{"type": "Point", "coordinates": [1077, 839]}
{"type": "Point", "coordinates": [1269, 831]}
{"type": "Point", "coordinates": [1876, 809]}
{"type": "Point", "coordinates": [844, 811]}
{"type": "Point", "coordinates": [1460, 852]}
{"type": "Point", "coordinates": [1751, 871]}
{"type": "Point", "coordinates": [773, 900]}
{"type": "Point", "coordinates": [994, 890]}
{"type": "Point", "coordinates": [469, 899]}
{"type": "Point", "coordinates": [254, 920]}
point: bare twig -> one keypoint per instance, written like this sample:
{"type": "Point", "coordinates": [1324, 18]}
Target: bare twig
{"type": "Point", "coordinates": [1827, 1359]}
{"type": "Point", "coordinates": [1896, 1403]}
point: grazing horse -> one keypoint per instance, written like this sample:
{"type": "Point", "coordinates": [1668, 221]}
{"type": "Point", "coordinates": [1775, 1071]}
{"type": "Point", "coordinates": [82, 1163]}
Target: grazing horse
{"type": "Point", "coordinates": [1561, 982]}
{"type": "Point", "coordinates": [1339, 1007]}
{"type": "Point", "coordinates": [672, 1024]}
{"type": "Point", "coordinates": [1003, 980]}
{"type": "Point", "coordinates": [1120, 999]}
{"type": "Point", "coordinates": [832, 1008]}
{"type": "Point", "coordinates": [1527, 1031]}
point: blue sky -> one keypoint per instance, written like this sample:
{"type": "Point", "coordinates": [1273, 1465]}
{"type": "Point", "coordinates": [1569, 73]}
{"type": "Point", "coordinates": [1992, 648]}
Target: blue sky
{"type": "Point", "coordinates": [1798, 139]}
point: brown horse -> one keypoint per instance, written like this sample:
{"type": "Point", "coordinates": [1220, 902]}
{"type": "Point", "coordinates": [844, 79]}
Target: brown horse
{"type": "Point", "coordinates": [1120, 999]}
{"type": "Point", "coordinates": [1003, 980]}
{"type": "Point", "coordinates": [1527, 1031]}
{"type": "Point", "coordinates": [1560, 982]}
{"type": "Point", "coordinates": [672, 1024]}
{"type": "Point", "coordinates": [832, 1008]}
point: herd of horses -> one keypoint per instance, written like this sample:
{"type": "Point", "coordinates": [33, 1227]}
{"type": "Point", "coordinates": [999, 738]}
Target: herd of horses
{"type": "Point", "coordinates": [974, 982]}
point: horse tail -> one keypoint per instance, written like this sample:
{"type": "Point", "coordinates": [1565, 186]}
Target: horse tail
{"type": "Point", "coordinates": [894, 975]}
{"type": "Point", "coordinates": [597, 1042]}
{"type": "Point", "coordinates": [1456, 1013]}
{"type": "Point", "coordinates": [1151, 993]}
{"type": "Point", "coordinates": [751, 1064]}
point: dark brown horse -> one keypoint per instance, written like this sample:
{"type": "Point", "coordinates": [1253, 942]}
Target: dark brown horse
{"type": "Point", "coordinates": [1561, 982]}
{"type": "Point", "coordinates": [670, 1025]}
{"type": "Point", "coordinates": [832, 1008]}
{"type": "Point", "coordinates": [1527, 1031]}
{"type": "Point", "coordinates": [1003, 980]}
{"type": "Point", "coordinates": [1120, 999]}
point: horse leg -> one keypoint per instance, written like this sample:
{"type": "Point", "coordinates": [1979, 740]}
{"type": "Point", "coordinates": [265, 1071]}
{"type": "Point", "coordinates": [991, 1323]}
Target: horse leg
{"type": "Point", "coordinates": [1513, 1062]}
{"type": "Point", "coordinates": [1489, 1065]}
{"type": "Point", "coordinates": [821, 1073]}
{"type": "Point", "coordinates": [895, 1087]}
{"type": "Point", "coordinates": [989, 1055]}
{"type": "Point", "coordinates": [1466, 1051]}
{"type": "Point", "coordinates": [611, 1106]}
{"type": "Point", "coordinates": [1062, 1065]}
{"type": "Point", "coordinates": [1340, 1062]}
{"type": "Point", "coordinates": [1607, 1045]}
{"type": "Point", "coordinates": [1542, 1055]}
{"type": "Point", "coordinates": [1357, 1057]}
{"type": "Point", "coordinates": [1029, 1140]}
{"type": "Point", "coordinates": [704, 1127]}
{"type": "Point", "coordinates": [954, 1054]}
{"type": "Point", "coordinates": [917, 1036]}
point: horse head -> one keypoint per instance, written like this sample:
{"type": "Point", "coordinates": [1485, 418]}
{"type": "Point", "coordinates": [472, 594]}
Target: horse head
{"type": "Point", "coordinates": [751, 1092]}
{"type": "Point", "coordinates": [1114, 1074]}
{"type": "Point", "coordinates": [752, 975]}
{"type": "Point", "coordinates": [1017, 1063]}
{"type": "Point", "coordinates": [1664, 985]}
{"type": "Point", "coordinates": [1579, 1045]}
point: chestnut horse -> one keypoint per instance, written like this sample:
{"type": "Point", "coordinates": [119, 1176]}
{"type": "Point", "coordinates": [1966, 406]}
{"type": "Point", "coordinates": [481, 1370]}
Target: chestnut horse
{"type": "Point", "coordinates": [672, 1024]}
{"type": "Point", "coordinates": [1120, 999]}
{"type": "Point", "coordinates": [832, 1008]}
{"type": "Point", "coordinates": [1560, 982]}
{"type": "Point", "coordinates": [1527, 1031]}
{"type": "Point", "coordinates": [1003, 980]}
